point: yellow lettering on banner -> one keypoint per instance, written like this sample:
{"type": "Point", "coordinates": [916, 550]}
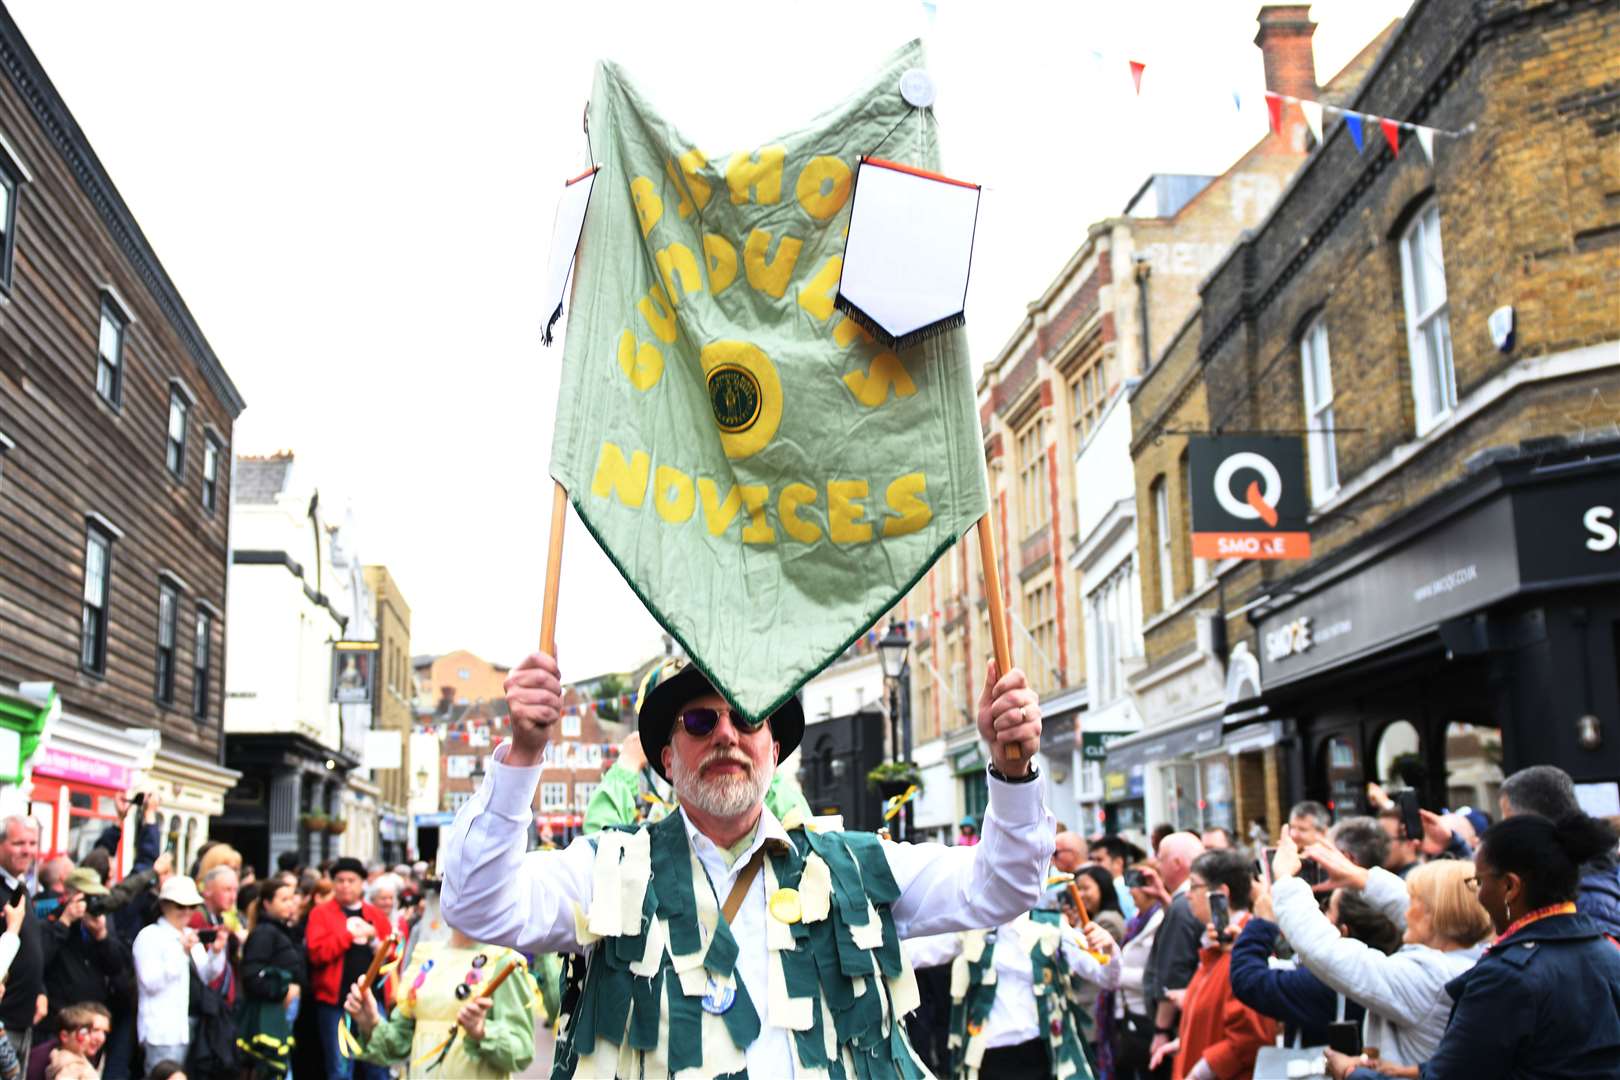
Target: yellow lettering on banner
{"type": "Point", "coordinates": [763, 176]}
{"type": "Point", "coordinates": [816, 295]}
{"type": "Point", "coordinates": [845, 512]}
{"type": "Point", "coordinates": [905, 497]}
{"type": "Point", "coordinates": [722, 258]}
{"type": "Point", "coordinates": [849, 331]}
{"type": "Point", "coordinates": [684, 207]}
{"type": "Point", "coordinates": [659, 312]}
{"type": "Point", "coordinates": [649, 207]}
{"type": "Point", "coordinates": [672, 494]}
{"type": "Point", "coordinates": [871, 387]}
{"type": "Point", "coordinates": [787, 508]}
{"type": "Point", "coordinates": [771, 277]}
{"type": "Point", "coordinates": [823, 187]}
{"type": "Point", "coordinates": [678, 262]}
{"type": "Point", "coordinates": [691, 162]}
{"type": "Point", "coordinates": [718, 515]}
{"type": "Point", "coordinates": [615, 476]}
{"type": "Point", "coordinates": [758, 530]}
{"type": "Point", "coordinates": [643, 364]}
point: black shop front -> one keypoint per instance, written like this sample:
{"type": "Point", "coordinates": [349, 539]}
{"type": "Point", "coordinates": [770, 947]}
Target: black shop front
{"type": "Point", "coordinates": [1477, 633]}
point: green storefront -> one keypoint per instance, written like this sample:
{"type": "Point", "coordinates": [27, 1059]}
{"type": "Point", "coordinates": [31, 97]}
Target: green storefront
{"type": "Point", "coordinates": [25, 712]}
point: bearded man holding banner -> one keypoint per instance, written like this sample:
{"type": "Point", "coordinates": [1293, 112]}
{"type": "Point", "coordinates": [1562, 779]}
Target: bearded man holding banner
{"type": "Point", "coordinates": [757, 944]}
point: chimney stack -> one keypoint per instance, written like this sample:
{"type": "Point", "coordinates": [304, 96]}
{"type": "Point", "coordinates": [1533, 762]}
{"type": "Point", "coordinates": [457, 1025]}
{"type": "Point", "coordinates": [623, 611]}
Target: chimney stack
{"type": "Point", "coordinates": [1284, 38]}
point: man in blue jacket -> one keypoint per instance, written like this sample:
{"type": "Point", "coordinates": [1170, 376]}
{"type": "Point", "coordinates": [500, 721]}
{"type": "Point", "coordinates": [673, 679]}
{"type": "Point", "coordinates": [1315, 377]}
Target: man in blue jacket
{"type": "Point", "coordinates": [1548, 790]}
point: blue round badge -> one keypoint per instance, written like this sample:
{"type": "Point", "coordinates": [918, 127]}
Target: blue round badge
{"type": "Point", "coordinates": [718, 999]}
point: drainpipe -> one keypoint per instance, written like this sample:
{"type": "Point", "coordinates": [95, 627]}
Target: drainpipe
{"type": "Point", "coordinates": [1144, 270]}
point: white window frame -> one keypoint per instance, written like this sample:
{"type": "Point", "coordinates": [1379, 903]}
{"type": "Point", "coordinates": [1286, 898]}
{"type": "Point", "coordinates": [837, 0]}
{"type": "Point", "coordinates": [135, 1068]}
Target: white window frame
{"type": "Point", "coordinates": [460, 766]}
{"type": "Point", "coordinates": [212, 450]}
{"type": "Point", "coordinates": [1316, 376]}
{"type": "Point", "coordinates": [97, 601]}
{"type": "Point", "coordinates": [583, 790]}
{"type": "Point", "coordinates": [113, 325]}
{"type": "Point", "coordinates": [554, 795]}
{"type": "Point", "coordinates": [1161, 525]}
{"type": "Point", "coordinates": [1428, 320]}
{"type": "Point", "coordinates": [570, 725]}
{"type": "Point", "coordinates": [1033, 482]}
{"type": "Point", "coordinates": [168, 640]}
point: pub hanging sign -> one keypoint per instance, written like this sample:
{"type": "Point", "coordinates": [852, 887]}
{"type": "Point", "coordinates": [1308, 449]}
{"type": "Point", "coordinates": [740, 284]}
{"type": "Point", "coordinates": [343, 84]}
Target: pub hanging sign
{"type": "Point", "coordinates": [354, 671]}
{"type": "Point", "coordinates": [1248, 497]}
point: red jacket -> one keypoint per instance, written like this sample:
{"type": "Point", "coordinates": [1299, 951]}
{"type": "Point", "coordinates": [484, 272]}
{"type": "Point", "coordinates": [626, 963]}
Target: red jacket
{"type": "Point", "coordinates": [326, 939]}
{"type": "Point", "coordinates": [1218, 1028]}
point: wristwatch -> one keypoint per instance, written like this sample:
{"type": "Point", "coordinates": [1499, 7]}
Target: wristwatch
{"type": "Point", "coordinates": [1005, 779]}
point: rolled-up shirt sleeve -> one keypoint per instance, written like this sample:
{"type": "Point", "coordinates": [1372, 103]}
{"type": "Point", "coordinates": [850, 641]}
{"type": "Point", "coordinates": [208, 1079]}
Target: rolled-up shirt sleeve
{"type": "Point", "coordinates": [496, 892]}
{"type": "Point", "coordinates": [991, 883]}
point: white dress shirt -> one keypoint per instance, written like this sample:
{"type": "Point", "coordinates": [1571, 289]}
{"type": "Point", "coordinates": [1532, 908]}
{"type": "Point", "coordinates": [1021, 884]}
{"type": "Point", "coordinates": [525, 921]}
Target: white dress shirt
{"type": "Point", "coordinates": [494, 892]}
{"type": "Point", "coordinates": [162, 972]}
{"type": "Point", "coordinates": [1013, 1017]}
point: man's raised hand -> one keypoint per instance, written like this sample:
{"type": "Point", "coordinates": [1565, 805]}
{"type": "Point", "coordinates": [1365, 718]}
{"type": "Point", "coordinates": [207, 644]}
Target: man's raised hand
{"type": "Point", "coordinates": [1009, 715]}
{"type": "Point", "coordinates": [534, 701]}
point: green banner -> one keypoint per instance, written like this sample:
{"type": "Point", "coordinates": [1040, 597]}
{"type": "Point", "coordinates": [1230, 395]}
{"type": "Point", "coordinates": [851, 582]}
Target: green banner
{"type": "Point", "coordinates": [767, 478]}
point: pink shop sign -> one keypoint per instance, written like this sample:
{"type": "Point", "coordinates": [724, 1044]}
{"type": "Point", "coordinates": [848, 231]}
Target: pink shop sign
{"type": "Point", "coordinates": [86, 770]}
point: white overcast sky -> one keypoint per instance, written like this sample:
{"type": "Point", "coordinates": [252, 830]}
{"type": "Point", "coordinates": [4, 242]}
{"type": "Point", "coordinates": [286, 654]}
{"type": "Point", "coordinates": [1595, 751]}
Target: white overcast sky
{"type": "Point", "coordinates": [355, 199]}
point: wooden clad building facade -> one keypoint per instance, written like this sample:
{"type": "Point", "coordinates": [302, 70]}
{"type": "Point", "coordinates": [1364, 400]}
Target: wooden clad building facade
{"type": "Point", "coordinates": [115, 433]}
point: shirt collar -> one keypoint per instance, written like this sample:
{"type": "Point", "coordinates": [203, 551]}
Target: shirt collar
{"type": "Point", "coordinates": [767, 830]}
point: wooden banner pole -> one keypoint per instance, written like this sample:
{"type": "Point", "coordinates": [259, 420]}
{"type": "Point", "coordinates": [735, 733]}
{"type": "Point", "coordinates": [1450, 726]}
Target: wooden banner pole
{"type": "Point", "coordinates": [997, 607]}
{"type": "Point", "coordinates": [548, 610]}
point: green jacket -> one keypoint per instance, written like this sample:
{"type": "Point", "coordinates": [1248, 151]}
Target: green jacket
{"type": "Point", "coordinates": [619, 800]}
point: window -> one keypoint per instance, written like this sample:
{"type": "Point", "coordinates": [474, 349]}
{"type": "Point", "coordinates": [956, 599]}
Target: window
{"type": "Point", "coordinates": [1161, 525]}
{"type": "Point", "coordinates": [168, 623]}
{"type": "Point", "coordinates": [1318, 380]}
{"type": "Point", "coordinates": [1040, 619]}
{"type": "Point", "coordinates": [1032, 481]}
{"type": "Point", "coordinates": [175, 453]}
{"type": "Point", "coordinates": [554, 796]}
{"type": "Point", "coordinates": [582, 795]}
{"type": "Point", "coordinates": [459, 766]}
{"type": "Point", "coordinates": [1086, 401]}
{"type": "Point", "coordinates": [1428, 322]}
{"type": "Point", "coordinates": [210, 490]}
{"type": "Point", "coordinates": [458, 799]}
{"type": "Point", "coordinates": [8, 221]}
{"type": "Point", "coordinates": [201, 663]}
{"type": "Point", "coordinates": [570, 725]}
{"type": "Point", "coordinates": [93, 626]}
{"type": "Point", "coordinates": [110, 359]}
{"type": "Point", "coordinates": [1199, 567]}
{"type": "Point", "coordinates": [1113, 627]}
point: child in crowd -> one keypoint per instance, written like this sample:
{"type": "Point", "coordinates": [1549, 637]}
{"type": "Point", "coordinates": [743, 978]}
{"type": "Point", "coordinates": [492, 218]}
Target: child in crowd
{"type": "Point", "coordinates": [82, 1030]}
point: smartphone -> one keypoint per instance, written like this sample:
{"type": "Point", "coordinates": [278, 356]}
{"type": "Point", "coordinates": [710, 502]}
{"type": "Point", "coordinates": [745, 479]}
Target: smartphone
{"type": "Point", "coordinates": [1345, 1037]}
{"type": "Point", "coordinates": [1135, 879]}
{"type": "Point", "coordinates": [1266, 855]}
{"type": "Point", "coordinates": [1411, 820]}
{"type": "Point", "coordinates": [1310, 873]}
{"type": "Point", "coordinates": [1220, 913]}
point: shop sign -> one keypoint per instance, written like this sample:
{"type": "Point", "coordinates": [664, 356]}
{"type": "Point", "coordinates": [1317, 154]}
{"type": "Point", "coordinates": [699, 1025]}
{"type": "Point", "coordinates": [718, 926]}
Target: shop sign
{"type": "Point", "coordinates": [431, 821]}
{"type": "Point", "coordinates": [1570, 530]}
{"type": "Point", "coordinates": [65, 765]}
{"type": "Point", "coordinates": [1094, 744]}
{"type": "Point", "coordinates": [1113, 786]}
{"type": "Point", "coordinates": [1248, 497]}
{"type": "Point", "coordinates": [968, 759]}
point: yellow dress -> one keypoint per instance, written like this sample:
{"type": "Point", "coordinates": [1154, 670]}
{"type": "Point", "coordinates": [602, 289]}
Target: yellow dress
{"type": "Point", "coordinates": [426, 1009]}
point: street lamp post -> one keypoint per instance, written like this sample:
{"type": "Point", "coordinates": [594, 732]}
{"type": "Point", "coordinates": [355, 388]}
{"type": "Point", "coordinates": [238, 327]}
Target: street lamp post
{"type": "Point", "coordinates": [894, 653]}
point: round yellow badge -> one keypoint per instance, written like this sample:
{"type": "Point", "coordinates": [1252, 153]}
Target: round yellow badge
{"type": "Point", "coordinates": [785, 906]}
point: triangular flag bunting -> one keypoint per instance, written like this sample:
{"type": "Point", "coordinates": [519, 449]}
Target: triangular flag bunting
{"type": "Point", "coordinates": [1237, 101]}
{"type": "Point", "coordinates": [1313, 117]}
{"type": "Point", "coordinates": [1353, 122]}
{"type": "Point", "coordinates": [1274, 105]}
{"type": "Point", "coordinates": [1425, 137]}
{"type": "Point", "coordinates": [1392, 134]}
{"type": "Point", "coordinates": [1137, 67]}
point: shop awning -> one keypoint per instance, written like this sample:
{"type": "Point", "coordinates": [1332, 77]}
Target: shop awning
{"type": "Point", "coordinates": [24, 714]}
{"type": "Point", "coordinates": [1197, 735]}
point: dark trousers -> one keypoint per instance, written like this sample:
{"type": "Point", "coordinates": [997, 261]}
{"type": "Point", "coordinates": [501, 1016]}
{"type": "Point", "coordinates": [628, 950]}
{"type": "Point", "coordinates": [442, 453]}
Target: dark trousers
{"type": "Point", "coordinates": [1022, 1061]}
{"type": "Point", "coordinates": [120, 1046]}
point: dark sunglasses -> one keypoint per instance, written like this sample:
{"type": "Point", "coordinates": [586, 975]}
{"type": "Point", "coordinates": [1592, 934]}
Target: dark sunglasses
{"type": "Point", "coordinates": [700, 721]}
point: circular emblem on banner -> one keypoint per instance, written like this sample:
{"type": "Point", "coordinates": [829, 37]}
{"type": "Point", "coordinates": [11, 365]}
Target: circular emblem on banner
{"type": "Point", "coordinates": [745, 395]}
{"type": "Point", "coordinates": [718, 997]}
{"type": "Point", "coordinates": [734, 396]}
{"type": "Point", "coordinates": [1261, 502]}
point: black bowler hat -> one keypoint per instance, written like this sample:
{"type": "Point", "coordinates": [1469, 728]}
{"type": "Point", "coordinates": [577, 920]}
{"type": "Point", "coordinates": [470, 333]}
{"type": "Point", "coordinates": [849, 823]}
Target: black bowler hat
{"type": "Point", "coordinates": [675, 682]}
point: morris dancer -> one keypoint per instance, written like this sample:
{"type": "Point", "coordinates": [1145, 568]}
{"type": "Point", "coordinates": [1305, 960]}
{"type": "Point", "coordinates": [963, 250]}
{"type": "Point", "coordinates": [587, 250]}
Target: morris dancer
{"type": "Point", "coordinates": [722, 939]}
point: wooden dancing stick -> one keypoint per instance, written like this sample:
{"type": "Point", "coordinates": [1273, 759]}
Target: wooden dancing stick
{"type": "Point", "coordinates": [495, 983]}
{"type": "Point", "coordinates": [377, 961]}
{"type": "Point", "coordinates": [548, 610]}
{"type": "Point", "coordinates": [997, 608]}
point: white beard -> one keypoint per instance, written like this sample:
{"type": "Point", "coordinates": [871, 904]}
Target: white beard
{"type": "Point", "coordinates": [721, 796]}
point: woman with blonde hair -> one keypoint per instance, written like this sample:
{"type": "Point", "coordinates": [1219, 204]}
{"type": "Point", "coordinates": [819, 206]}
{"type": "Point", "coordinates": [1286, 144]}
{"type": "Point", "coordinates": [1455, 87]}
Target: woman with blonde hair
{"type": "Point", "coordinates": [1404, 993]}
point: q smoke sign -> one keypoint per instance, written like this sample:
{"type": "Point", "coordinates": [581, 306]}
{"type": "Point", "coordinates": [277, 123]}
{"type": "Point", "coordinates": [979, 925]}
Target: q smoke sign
{"type": "Point", "coordinates": [1248, 497]}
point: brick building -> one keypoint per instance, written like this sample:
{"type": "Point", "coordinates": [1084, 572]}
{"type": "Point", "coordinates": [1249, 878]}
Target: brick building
{"type": "Point", "coordinates": [1460, 614]}
{"type": "Point", "coordinates": [1056, 439]}
{"type": "Point", "coordinates": [391, 710]}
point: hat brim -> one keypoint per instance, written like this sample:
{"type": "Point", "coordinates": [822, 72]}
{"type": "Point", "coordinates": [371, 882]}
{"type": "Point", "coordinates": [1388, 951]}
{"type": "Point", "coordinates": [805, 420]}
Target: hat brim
{"type": "Point", "coordinates": [656, 720]}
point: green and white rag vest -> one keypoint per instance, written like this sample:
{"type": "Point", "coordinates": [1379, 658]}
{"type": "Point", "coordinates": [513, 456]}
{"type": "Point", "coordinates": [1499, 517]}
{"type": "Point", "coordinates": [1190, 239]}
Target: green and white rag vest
{"type": "Point", "coordinates": [837, 980]}
{"type": "Point", "coordinates": [1057, 996]}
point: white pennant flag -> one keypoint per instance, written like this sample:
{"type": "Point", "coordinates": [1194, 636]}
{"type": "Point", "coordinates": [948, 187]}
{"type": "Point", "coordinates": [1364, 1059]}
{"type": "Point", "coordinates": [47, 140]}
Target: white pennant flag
{"type": "Point", "coordinates": [1425, 137]}
{"type": "Point", "coordinates": [1313, 117]}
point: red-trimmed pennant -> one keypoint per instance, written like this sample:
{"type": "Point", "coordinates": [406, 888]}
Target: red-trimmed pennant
{"type": "Point", "coordinates": [1137, 67]}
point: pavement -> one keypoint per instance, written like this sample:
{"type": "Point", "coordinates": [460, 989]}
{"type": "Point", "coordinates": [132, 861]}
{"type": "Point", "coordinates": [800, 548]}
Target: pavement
{"type": "Point", "coordinates": [542, 1052]}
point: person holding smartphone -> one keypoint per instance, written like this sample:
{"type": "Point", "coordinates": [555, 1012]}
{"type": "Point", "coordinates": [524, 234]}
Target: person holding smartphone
{"type": "Point", "coordinates": [1219, 1036]}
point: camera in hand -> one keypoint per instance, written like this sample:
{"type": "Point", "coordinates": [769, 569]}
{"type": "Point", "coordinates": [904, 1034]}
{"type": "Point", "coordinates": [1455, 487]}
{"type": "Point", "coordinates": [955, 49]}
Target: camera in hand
{"type": "Point", "coordinates": [1220, 913]}
{"type": "Point", "coordinates": [1135, 879]}
{"type": "Point", "coordinates": [207, 934]}
{"type": "Point", "coordinates": [96, 906]}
